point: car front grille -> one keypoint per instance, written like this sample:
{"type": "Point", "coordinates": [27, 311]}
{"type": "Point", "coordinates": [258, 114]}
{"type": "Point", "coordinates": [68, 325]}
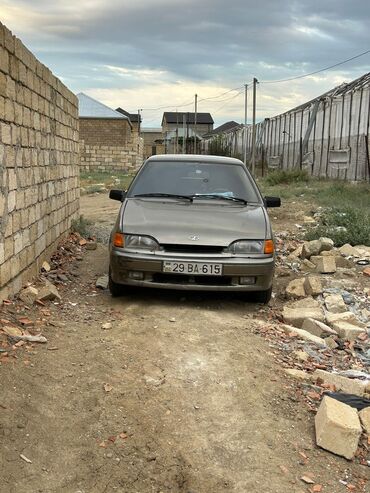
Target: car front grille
{"type": "Point", "coordinates": [185, 279]}
{"type": "Point", "coordinates": [169, 247]}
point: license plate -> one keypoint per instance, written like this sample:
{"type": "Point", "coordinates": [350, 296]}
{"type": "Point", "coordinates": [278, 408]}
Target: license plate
{"type": "Point", "coordinates": [193, 268]}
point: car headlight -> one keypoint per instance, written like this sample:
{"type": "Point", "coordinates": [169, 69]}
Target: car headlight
{"type": "Point", "coordinates": [140, 242]}
{"type": "Point", "coordinates": [243, 247]}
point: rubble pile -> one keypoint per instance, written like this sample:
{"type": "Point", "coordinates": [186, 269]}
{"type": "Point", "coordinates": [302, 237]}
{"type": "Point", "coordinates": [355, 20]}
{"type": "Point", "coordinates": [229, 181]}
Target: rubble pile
{"type": "Point", "coordinates": [320, 330]}
{"type": "Point", "coordinates": [19, 324]}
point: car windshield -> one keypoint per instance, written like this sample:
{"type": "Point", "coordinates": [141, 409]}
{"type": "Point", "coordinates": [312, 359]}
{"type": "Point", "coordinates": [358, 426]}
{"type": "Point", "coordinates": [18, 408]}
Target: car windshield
{"type": "Point", "coordinates": [192, 179]}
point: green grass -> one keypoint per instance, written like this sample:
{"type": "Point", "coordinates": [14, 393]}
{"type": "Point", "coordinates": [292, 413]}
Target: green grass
{"type": "Point", "coordinates": [286, 177]}
{"type": "Point", "coordinates": [89, 179]}
{"type": "Point", "coordinates": [346, 216]}
{"type": "Point", "coordinates": [343, 225]}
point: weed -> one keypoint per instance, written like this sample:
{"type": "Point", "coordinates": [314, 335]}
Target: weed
{"type": "Point", "coordinates": [81, 226]}
{"type": "Point", "coordinates": [282, 176]}
{"type": "Point", "coordinates": [343, 225]}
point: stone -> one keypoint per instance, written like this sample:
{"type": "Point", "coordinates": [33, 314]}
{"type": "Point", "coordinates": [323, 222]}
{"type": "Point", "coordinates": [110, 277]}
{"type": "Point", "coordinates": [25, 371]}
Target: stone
{"type": "Point", "coordinates": [310, 248]}
{"type": "Point", "coordinates": [313, 286]}
{"type": "Point", "coordinates": [307, 265]}
{"type": "Point", "coordinates": [295, 289]}
{"type": "Point", "coordinates": [349, 317]}
{"type": "Point", "coordinates": [106, 326]}
{"type": "Point", "coordinates": [324, 265]}
{"type": "Point", "coordinates": [91, 245]}
{"type": "Point", "coordinates": [365, 419]}
{"type": "Point", "coordinates": [342, 262]}
{"type": "Point", "coordinates": [303, 334]}
{"type": "Point", "coordinates": [347, 331]}
{"type": "Point", "coordinates": [326, 244]}
{"type": "Point", "coordinates": [48, 292]}
{"type": "Point", "coordinates": [46, 266]}
{"type": "Point", "coordinates": [349, 251]}
{"type": "Point", "coordinates": [299, 374]}
{"type": "Point", "coordinates": [335, 304]}
{"type": "Point", "coordinates": [331, 343]}
{"type": "Point", "coordinates": [341, 384]}
{"type": "Point", "coordinates": [338, 428]}
{"type": "Point", "coordinates": [28, 295]}
{"type": "Point", "coordinates": [102, 282]}
{"type": "Point", "coordinates": [296, 253]}
{"type": "Point", "coordinates": [301, 355]}
{"type": "Point", "coordinates": [366, 272]}
{"type": "Point", "coordinates": [297, 312]}
{"type": "Point", "coordinates": [317, 328]}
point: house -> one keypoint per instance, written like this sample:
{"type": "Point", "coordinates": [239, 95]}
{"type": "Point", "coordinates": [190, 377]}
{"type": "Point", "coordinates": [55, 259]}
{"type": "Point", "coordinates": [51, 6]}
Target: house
{"type": "Point", "coordinates": [224, 128]}
{"type": "Point", "coordinates": [107, 139]}
{"type": "Point", "coordinates": [172, 120]}
{"type": "Point", "coordinates": [153, 141]}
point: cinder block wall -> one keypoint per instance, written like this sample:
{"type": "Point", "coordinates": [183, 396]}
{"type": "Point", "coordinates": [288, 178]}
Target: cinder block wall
{"type": "Point", "coordinates": [109, 145]}
{"type": "Point", "coordinates": [39, 162]}
{"type": "Point", "coordinates": [105, 131]}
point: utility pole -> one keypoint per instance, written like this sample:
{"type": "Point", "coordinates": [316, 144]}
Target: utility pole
{"type": "Point", "coordinates": [187, 133]}
{"type": "Point", "coordinates": [177, 134]}
{"type": "Point", "coordinates": [254, 127]}
{"type": "Point", "coordinates": [195, 122]}
{"type": "Point", "coordinates": [245, 123]}
{"type": "Point", "coordinates": [183, 133]}
{"type": "Point", "coordinates": [139, 121]}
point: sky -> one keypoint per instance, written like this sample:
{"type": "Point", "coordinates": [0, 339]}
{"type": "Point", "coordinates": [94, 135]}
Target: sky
{"type": "Point", "coordinates": [147, 54]}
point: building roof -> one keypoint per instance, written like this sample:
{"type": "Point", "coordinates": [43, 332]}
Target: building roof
{"type": "Point", "coordinates": [224, 128]}
{"type": "Point", "coordinates": [91, 108]}
{"type": "Point", "coordinates": [178, 117]}
{"type": "Point", "coordinates": [134, 117]}
{"type": "Point", "coordinates": [341, 90]}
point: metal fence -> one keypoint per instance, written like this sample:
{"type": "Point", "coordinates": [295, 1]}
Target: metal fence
{"type": "Point", "coordinates": [328, 136]}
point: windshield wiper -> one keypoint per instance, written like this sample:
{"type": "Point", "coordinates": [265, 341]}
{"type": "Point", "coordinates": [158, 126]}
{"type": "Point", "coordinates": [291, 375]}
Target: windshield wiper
{"type": "Point", "coordinates": [168, 195]}
{"type": "Point", "coordinates": [219, 197]}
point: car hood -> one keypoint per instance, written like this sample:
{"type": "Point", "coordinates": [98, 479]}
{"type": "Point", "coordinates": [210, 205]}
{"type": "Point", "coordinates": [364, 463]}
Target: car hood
{"type": "Point", "coordinates": [214, 223]}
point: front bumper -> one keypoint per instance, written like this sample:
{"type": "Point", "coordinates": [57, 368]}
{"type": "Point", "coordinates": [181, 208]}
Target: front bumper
{"type": "Point", "coordinates": [124, 264]}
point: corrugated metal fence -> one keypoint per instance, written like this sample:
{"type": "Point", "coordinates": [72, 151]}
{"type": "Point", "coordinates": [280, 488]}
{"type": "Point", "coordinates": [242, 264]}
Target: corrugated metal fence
{"type": "Point", "coordinates": [328, 136]}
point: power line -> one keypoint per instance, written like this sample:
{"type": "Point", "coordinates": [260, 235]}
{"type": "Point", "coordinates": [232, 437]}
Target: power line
{"type": "Point", "coordinates": [229, 99]}
{"type": "Point", "coordinates": [316, 71]}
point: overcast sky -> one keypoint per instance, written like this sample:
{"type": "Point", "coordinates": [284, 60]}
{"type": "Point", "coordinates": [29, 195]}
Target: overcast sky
{"type": "Point", "coordinates": [151, 53]}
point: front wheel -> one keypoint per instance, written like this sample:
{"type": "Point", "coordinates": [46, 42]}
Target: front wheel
{"type": "Point", "coordinates": [263, 296]}
{"type": "Point", "coordinates": [114, 288]}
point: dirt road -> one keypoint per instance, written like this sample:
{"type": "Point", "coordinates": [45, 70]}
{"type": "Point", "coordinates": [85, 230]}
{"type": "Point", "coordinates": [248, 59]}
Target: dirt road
{"type": "Point", "coordinates": [180, 395]}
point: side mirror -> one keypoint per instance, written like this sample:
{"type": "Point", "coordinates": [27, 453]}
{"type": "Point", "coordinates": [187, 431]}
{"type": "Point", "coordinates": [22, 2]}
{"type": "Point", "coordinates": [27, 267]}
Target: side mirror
{"type": "Point", "coordinates": [272, 201]}
{"type": "Point", "coordinates": [117, 195]}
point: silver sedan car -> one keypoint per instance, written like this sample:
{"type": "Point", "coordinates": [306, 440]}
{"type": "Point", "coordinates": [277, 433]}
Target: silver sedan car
{"type": "Point", "coordinates": [196, 223]}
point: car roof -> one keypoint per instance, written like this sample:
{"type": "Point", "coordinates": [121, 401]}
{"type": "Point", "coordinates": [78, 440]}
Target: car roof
{"type": "Point", "coordinates": [195, 158]}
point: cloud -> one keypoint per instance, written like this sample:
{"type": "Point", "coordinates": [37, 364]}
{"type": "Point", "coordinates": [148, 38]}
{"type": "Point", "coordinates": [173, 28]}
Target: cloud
{"type": "Point", "coordinates": [153, 52]}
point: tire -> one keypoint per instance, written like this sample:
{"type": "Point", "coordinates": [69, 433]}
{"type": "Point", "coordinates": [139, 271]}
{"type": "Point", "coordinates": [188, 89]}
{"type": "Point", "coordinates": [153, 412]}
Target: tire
{"type": "Point", "coordinates": [263, 296]}
{"type": "Point", "coordinates": [114, 288]}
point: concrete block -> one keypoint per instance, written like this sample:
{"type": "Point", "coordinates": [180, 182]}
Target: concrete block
{"type": "Point", "coordinates": [296, 313]}
{"type": "Point", "coordinates": [303, 334]}
{"type": "Point", "coordinates": [349, 251]}
{"type": "Point", "coordinates": [349, 317]}
{"type": "Point", "coordinates": [334, 303]}
{"type": "Point", "coordinates": [338, 428]}
{"type": "Point", "coordinates": [28, 295]}
{"type": "Point", "coordinates": [313, 286]}
{"type": "Point", "coordinates": [341, 384]}
{"type": "Point", "coordinates": [295, 289]}
{"type": "Point", "coordinates": [324, 264]}
{"type": "Point", "coordinates": [347, 330]}
{"type": "Point", "coordinates": [365, 419]}
{"type": "Point", "coordinates": [317, 328]}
